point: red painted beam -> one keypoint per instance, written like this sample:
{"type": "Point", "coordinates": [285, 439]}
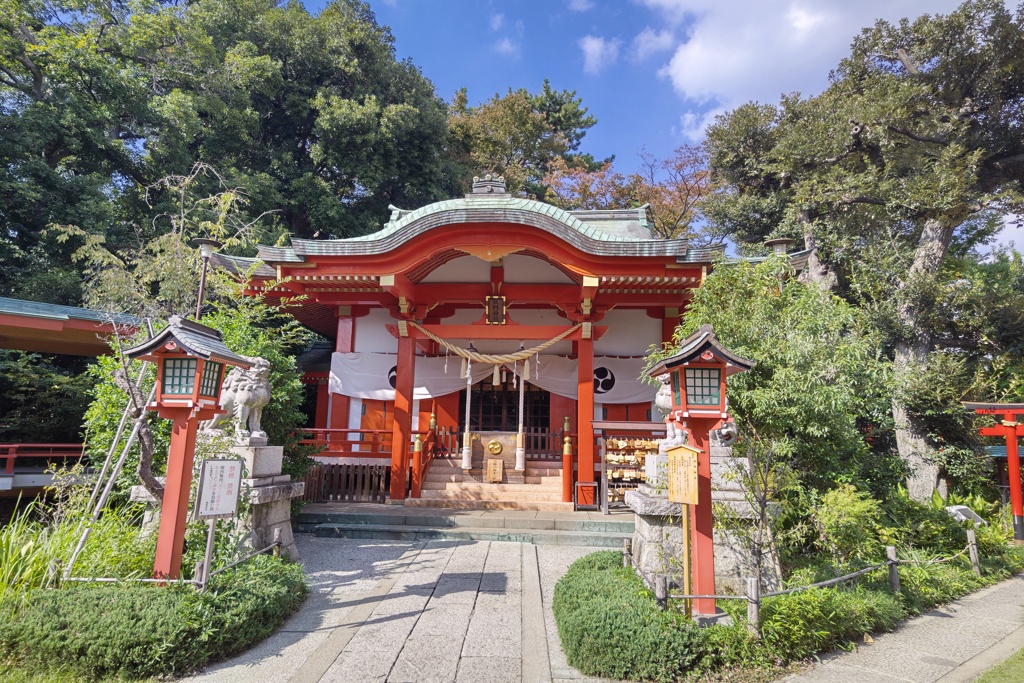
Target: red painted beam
{"type": "Point", "coordinates": [539, 332]}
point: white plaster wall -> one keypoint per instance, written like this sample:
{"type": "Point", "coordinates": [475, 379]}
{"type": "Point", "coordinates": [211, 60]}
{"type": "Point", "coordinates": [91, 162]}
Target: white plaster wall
{"type": "Point", "coordinates": [629, 333]}
{"type": "Point", "coordinates": [372, 336]}
{"type": "Point", "coordinates": [462, 269]}
{"type": "Point", "coordinates": [527, 269]}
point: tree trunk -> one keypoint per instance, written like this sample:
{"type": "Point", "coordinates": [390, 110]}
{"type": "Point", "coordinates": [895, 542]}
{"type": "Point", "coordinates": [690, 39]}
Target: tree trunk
{"type": "Point", "coordinates": [911, 357]}
{"type": "Point", "coordinates": [815, 271]}
{"type": "Point", "coordinates": [146, 448]}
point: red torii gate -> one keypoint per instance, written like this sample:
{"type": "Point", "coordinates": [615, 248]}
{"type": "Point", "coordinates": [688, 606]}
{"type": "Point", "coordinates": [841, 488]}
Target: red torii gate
{"type": "Point", "coordinates": [1011, 430]}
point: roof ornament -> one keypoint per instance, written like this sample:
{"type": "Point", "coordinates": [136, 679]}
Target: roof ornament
{"type": "Point", "coordinates": [489, 184]}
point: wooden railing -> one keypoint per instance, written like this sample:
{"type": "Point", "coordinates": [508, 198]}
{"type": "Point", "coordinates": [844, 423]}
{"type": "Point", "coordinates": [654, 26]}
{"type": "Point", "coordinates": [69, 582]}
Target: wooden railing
{"type": "Point", "coordinates": [358, 483]}
{"type": "Point", "coordinates": [349, 443]}
{"type": "Point", "coordinates": [48, 452]}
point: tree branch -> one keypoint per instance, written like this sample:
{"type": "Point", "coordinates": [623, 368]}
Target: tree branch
{"type": "Point", "coordinates": [918, 138]}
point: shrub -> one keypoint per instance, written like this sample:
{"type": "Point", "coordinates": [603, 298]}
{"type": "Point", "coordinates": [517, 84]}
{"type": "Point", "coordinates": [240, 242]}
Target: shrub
{"type": "Point", "coordinates": [847, 522]}
{"type": "Point", "coordinates": [139, 631]}
{"type": "Point", "coordinates": [797, 625]}
{"type": "Point", "coordinates": [610, 625]}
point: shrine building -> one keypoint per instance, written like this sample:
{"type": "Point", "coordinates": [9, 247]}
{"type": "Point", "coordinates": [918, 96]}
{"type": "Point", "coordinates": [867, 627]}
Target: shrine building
{"type": "Point", "coordinates": [515, 323]}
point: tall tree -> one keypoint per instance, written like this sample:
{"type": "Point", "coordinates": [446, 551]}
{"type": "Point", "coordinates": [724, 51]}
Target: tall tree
{"type": "Point", "coordinates": [917, 138]}
{"type": "Point", "coordinates": [518, 135]}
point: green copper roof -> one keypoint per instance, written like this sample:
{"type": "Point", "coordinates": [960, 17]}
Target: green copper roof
{"type": "Point", "coordinates": [600, 233]}
{"type": "Point", "coordinates": [37, 309]}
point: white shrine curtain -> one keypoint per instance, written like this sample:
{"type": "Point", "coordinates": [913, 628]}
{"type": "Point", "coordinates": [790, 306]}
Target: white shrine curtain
{"type": "Point", "coordinates": [369, 375]}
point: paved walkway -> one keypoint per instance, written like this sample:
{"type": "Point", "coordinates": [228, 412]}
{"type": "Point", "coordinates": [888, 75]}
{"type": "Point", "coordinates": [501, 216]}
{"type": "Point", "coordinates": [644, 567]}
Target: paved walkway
{"type": "Point", "coordinates": [952, 644]}
{"type": "Point", "coordinates": [479, 611]}
{"type": "Point", "coordinates": [462, 611]}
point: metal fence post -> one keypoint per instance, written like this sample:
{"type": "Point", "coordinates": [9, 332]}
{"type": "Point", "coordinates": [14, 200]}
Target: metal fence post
{"type": "Point", "coordinates": [754, 606]}
{"type": "Point", "coordinates": [972, 549]}
{"type": "Point", "coordinates": [894, 568]}
{"type": "Point", "coordinates": [661, 590]}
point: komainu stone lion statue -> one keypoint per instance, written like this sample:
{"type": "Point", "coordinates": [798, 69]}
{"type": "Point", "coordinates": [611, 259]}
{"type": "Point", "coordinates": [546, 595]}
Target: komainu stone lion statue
{"type": "Point", "coordinates": [243, 396]}
{"type": "Point", "coordinates": [663, 402]}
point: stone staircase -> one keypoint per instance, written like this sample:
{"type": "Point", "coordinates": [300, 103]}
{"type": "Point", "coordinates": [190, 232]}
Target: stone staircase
{"type": "Point", "coordinates": [447, 485]}
{"type": "Point", "coordinates": [404, 523]}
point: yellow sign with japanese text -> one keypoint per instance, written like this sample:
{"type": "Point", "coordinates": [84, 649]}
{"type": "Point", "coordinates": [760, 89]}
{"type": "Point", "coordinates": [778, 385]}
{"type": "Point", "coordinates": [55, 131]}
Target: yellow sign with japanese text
{"type": "Point", "coordinates": [682, 474]}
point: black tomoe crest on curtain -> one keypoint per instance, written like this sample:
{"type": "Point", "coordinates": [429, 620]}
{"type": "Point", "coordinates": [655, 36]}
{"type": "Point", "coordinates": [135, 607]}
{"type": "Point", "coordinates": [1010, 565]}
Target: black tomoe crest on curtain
{"type": "Point", "coordinates": [604, 380]}
{"type": "Point", "coordinates": [393, 376]}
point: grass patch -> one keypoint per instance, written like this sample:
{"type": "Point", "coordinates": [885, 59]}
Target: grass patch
{"type": "Point", "coordinates": [1007, 672]}
{"type": "Point", "coordinates": [136, 631]}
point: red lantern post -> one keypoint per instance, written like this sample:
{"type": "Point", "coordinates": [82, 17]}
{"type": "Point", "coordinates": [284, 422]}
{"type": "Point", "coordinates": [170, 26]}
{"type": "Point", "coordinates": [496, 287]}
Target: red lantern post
{"type": "Point", "coordinates": [698, 374]}
{"type": "Point", "coordinates": [190, 360]}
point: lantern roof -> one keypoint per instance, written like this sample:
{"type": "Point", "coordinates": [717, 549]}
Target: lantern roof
{"type": "Point", "coordinates": [193, 338]}
{"type": "Point", "coordinates": [702, 347]}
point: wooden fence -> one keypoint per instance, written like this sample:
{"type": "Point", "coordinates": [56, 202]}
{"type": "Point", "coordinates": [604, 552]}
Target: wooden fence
{"type": "Point", "coordinates": [362, 483]}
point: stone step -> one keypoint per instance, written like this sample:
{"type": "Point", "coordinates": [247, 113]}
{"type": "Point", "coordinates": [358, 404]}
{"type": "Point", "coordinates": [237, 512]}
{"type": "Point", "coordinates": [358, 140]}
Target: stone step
{"type": "Point", "coordinates": [555, 487]}
{"type": "Point", "coordinates": [410, 533]}
{"type": "Point", "coordinates": [547, 506]}
{"type": "Point", "coordinates": [308, 522]}
{"type": "Point", "coordinates": [496, 492]}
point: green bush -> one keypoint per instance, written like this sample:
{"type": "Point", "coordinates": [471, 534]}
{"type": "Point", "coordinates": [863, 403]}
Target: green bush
{"type": "Point", "coordinates": [797, 625]}
{"type": "Point", "coordinates": [610, 625]}
{"type": "Point", "coordinates": [847, 522]}
{"type": "Point", "coordinates": [139, 631]}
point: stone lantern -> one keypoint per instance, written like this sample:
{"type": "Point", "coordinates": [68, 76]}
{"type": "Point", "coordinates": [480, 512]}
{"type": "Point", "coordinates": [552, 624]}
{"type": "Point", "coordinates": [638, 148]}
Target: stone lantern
{"type": "Point", "coordinates": [190, 359]}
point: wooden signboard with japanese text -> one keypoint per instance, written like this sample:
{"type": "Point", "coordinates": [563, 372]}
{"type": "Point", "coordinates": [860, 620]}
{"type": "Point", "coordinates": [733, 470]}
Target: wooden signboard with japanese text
{"type": "Point", "coordinates": [682, 475]}
{"type": "Point", "coordinates": [495, 469]}
{"type": "Point", "coordinates": [219, 484]}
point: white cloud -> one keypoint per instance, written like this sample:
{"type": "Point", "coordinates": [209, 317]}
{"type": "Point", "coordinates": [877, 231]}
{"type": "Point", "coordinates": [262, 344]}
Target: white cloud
{"type": "Point", "coordinates": [649, 42]}
{"type": "Point", "coordinates": [581, 5]}
{"type": "Point", "coordinates": [506, 47]}
{"type": "Point", "coordinates": [598, 53]}
{"type": "Point", "coordinates": [496, 21]}
{"type": "Point", "coordinates": [739, 50]}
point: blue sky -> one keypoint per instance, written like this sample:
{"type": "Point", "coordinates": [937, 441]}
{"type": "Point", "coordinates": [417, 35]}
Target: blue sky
{"type": "Point", "coordinates": [653, 72]}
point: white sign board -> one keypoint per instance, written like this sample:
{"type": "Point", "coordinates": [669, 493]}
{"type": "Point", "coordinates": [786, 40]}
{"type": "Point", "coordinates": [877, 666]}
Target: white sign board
{"type": "Point", "coordinates": [219, 483]}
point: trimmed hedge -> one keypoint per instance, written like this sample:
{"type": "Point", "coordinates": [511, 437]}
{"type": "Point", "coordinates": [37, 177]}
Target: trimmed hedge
{"type": "Point", "coordinates": [140, 631]}
{"type": "Point", "coordinates": [610, 625]}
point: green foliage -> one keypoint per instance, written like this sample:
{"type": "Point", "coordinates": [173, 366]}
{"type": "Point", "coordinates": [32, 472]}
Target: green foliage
{"type": "Point", "coordinates": [37, 543]}
{"type": "Point", "coordinates": [44, 397]}
{"type": "Point", "coordinates": [610, 626]}
{"type": "Point", "coordinates": [139, 631]}
{"type": "Point", "coordinates": [818, 379]}
{"type": "Point", "coordinates": [799, 624]}
{"type": "Point", "coordinates": [847, 523]}
{"type": "Point", "coordinates": [518, 135]}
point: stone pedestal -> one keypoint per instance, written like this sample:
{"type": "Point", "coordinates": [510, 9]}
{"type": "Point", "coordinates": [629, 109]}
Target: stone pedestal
{"type": "Point", "coordinates": [658, 538]}
{"type": "Point", "coordinates": [269, 493]}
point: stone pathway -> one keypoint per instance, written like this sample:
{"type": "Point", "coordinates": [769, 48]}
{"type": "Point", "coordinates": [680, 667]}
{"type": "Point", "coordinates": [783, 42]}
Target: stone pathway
{"type": "Point", "coordinates": [952, 644]}
{"type": "Point", "coordinates": [462, 611]}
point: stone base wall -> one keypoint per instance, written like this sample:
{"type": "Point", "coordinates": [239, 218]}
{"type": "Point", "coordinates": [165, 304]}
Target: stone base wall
{"type": "Point", "coordinates": [267, 490]}
{"type": "Point", "coordinates": [658, 547]}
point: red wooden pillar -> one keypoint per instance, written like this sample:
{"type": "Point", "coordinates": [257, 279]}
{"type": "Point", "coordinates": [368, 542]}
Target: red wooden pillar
{"type": "Point", "coordinates": [1013, 470]}
{"type": "Point", "coordinates": [402, 430]}
{"type": "Point", "coordinates": [345, 343]}
{"type": "Point", "coordinates": [701, 522]}
{"type": "Point", "coordinates": [584, 417]}
{"type": "Point", "coordinates": [323, 400]}
{"type": "Point", "coordinates": [174, 513]}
